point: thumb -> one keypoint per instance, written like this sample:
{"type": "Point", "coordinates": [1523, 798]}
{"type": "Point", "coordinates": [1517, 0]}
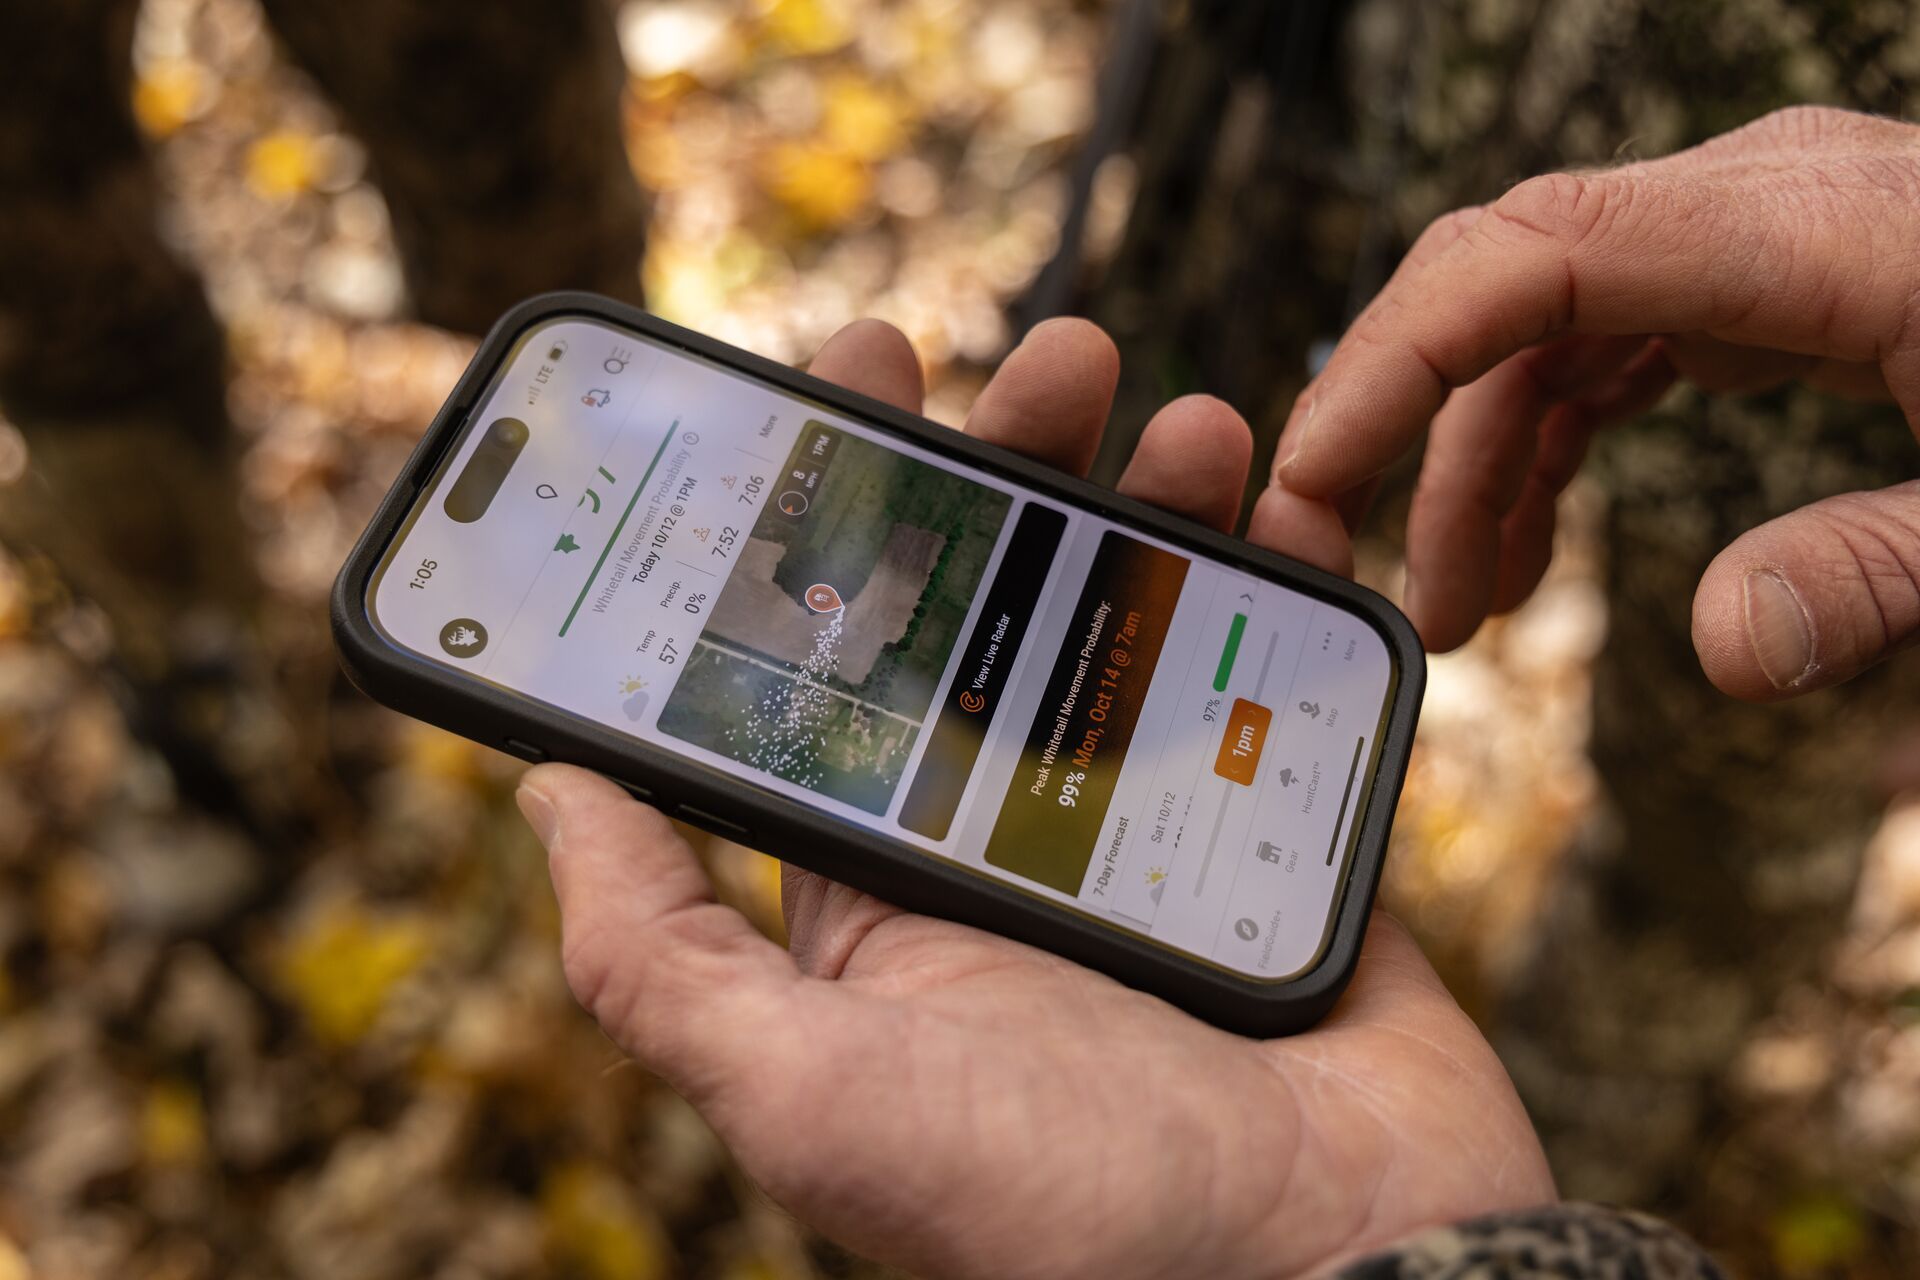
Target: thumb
{"type": "Point", "coordinates": [1812, 598]}
{"type": "Point", "coordinates": [684, 983]}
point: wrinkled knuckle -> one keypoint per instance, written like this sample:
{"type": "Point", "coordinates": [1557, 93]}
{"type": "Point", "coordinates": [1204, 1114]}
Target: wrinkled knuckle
{"type": "Point", "coordinates": [1876, 542]}
{"type": "Point", "coordinates": [1564, 207]}
{"type": "Point", "coordinates": [1894, 525]}
{"type": "Point", "coordinates": [1446, 229]}
{"type": "Point", "coordinates": [1370, 331]}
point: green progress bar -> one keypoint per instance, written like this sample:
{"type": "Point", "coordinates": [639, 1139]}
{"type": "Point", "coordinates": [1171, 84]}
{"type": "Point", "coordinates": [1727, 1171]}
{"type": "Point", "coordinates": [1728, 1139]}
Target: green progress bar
{"type": "Point", "coordinates": [1225, 669]}
{"type": "Point", "coordinates": [637, 489]}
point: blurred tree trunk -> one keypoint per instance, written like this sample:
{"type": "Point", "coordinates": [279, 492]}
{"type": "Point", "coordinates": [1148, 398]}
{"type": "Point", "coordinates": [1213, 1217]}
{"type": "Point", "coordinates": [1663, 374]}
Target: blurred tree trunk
{"type": "Point", "coordinates": [111, 366]}
{"type": "Point", "coordinates": [1277, 186]}
{"type": "Point", "coordinates": [494, 128]}
{"type": "Point", "coordinates": [1723, 870]}
{"type": "Point", "coordinates": [1238, 248]}
{"type": "Point", "coordinates": [494, 133]}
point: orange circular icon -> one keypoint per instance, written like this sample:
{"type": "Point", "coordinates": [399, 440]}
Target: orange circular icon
{"type": "Point", "coordinates": [971, 701]}
{"type": "Point", "coordinates": [822, 598]}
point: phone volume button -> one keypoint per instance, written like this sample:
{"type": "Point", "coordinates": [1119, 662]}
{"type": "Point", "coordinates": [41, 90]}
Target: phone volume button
{"type": "Point", "coordinates": [525, 750]}
{"type": "Point", "coordinates": [719, 826]}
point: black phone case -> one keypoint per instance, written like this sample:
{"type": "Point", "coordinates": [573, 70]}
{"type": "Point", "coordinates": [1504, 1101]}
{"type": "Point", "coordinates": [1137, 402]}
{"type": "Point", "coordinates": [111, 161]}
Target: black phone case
{"type": "Point", "coordinates": [866, 860]}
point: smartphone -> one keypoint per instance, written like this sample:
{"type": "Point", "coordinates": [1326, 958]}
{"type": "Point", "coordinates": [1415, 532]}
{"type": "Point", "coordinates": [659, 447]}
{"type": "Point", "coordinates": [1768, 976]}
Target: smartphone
{"type": "Point", "coordinates": [889, 653]}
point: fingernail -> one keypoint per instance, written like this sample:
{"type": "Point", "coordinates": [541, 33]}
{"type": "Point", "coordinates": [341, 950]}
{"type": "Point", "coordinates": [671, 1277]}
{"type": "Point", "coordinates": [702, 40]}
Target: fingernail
{"type": "Point", "coordinates": [538, 811]}
{"type": "Point", "coordinates": [1778, 628]}
{"type": "Point", "coordinates": [1289, 450]}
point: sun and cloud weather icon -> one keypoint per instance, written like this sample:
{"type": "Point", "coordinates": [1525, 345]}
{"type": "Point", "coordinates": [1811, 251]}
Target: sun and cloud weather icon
{"type": "Point", "coordinates": [634, 700]}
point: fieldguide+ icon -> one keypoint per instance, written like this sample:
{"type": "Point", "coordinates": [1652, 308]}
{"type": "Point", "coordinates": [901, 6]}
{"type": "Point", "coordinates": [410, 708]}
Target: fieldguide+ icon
{"type": "Point", "coordinates": [463, 637]}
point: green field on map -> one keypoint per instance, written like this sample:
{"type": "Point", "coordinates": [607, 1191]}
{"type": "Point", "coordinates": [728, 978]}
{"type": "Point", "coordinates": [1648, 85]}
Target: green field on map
{"type": "Point", "coordinates": [834, 702]}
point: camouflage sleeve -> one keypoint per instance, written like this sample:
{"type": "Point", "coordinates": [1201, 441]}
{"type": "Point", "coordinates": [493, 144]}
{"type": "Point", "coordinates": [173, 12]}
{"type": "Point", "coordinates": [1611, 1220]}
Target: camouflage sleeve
{"type": "Point", "coordinates": [1564, 1241]}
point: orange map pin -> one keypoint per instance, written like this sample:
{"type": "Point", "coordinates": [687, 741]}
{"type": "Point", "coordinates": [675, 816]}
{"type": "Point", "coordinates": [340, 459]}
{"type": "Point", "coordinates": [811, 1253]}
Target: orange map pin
{"type": "Point", "coordinates": [822, 598]}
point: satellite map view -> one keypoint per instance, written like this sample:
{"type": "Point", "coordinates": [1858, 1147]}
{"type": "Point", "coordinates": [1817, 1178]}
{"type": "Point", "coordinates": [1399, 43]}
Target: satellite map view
{"type": "Point", "coordinates": [823, 653]}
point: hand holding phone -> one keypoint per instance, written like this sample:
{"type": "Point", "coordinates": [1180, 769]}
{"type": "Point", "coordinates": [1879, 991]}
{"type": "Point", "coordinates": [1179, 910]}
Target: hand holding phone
{"type": "Point", "coordinates": [948, 1098]}
{"type": "Point", "coordinates": [954, 1103]}
{"type": "Point", "coordinates": [900, 655]}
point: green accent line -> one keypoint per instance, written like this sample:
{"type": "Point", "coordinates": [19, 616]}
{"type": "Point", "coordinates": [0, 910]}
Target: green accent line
{"type": "Point", "coordinates": [615, 536]}
{"type": "Point", "coordinates": [1225, 669]}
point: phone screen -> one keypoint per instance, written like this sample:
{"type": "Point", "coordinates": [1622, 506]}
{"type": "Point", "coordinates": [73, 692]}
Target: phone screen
{"type": "Point", "coordinates": [709, 563]}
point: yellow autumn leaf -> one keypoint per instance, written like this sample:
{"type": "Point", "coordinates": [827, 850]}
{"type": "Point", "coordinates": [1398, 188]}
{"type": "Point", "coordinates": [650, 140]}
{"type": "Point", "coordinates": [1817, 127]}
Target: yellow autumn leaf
{"type": "Point", "coordinates": [341, 965]}
{"type": "Point", "coordinates": [763, 881]}
{"type": "Point", "coordinates": [661, 91]}
{"type": "Point", "coordinates": [679, 285]}
{"type": "Point", "coordinates": [930, 36]}
{"type": "Point", "coordinates": [820, 185]}
{"type": "Point", "coordinates": [173, 1128]}
{"type": "Point", "coordinates": [1441, 825]}
{"type": "Point", "coordinates": [863, 119]}
{"type": "Point", "coordinates": [597, 1227]}
{"type": "Point", "coordinates": [1818, 1235]}
{"type": "Point", "coordinates": [806, 26]}
{"type": "Point", "coordinates": [168, 94]}
{"type": "Point", "coordinates": [283, 163]}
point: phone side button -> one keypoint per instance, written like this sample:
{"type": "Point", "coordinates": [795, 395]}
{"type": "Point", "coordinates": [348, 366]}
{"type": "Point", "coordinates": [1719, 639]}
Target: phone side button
{"type": "Point", "coordinates": [719, 826]}
{"type": "Point", "coordinates": [639, 793]}
{"type": "Point", "coordinates": [525, 750]}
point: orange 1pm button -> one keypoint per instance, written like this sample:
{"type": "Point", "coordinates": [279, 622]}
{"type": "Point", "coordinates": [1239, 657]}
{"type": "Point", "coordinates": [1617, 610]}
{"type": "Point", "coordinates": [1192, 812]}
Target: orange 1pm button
{"type": "Point", "coordinates": [1246, 734]}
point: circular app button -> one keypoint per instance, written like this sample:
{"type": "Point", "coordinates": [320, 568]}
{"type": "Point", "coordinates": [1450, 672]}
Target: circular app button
{"type": "Point", "coordinates": [793, 502]}
{"type": "Point", "coordinates": [463, 637]}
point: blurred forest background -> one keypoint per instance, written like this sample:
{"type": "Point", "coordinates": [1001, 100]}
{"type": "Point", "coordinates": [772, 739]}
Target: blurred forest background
{"type": "Point", "coordinates": [279, 992]}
